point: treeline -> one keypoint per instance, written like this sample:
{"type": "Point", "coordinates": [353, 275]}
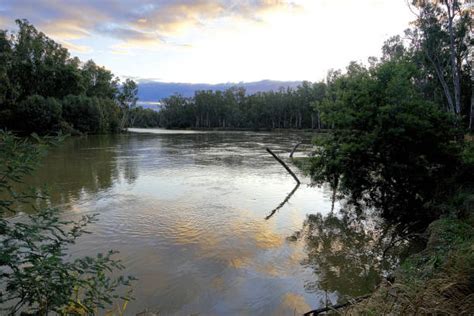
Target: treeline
{"type": "Point", "coordinates": [43, 89]}
{"type": "Point", "coordinates": [142, 117]}
{"type": "Point", "coordinates": [232, 108]}
{"type": "Point", "coordinates": [435, 49]}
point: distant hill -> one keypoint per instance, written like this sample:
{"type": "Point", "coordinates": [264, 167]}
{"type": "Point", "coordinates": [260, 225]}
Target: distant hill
{"type": "Point", "coordinates": [155, 91]}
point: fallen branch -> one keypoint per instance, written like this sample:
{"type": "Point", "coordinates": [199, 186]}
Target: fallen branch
{"type": "Point", "coordinates": [294, 149]}
{"type": "Point", "coordinates": [335, 307]}
{"type": "Point", "coordinates": [284, 165]}
{"type": "Point", "coordinates": [288, 197]}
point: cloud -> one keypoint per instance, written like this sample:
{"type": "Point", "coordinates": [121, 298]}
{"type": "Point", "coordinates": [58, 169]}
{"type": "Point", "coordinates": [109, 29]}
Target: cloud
{"type": "Point", "coordinates": [129, 34]}
{"type": "Point", "coordinates": [134, 23]}
{"type": "Point", "coordinates": [76, 47]}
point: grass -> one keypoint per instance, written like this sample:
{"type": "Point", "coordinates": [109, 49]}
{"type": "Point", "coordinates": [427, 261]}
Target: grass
{"type": "Point", "coordinates": [439, 280]}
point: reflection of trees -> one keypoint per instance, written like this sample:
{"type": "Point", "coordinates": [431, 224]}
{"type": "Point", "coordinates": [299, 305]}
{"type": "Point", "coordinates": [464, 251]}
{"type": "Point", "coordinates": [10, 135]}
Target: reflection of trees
{"type": "Point", "coordinates": [345, 252]}
{"type": "Point", "coordinates": [79, 165]}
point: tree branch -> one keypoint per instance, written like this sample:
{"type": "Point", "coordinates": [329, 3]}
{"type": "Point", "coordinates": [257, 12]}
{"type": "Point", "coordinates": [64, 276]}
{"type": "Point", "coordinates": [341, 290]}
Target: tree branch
{"type": "Point", "coordinates": [284, 165]}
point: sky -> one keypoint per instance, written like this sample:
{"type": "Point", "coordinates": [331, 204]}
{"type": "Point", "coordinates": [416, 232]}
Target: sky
{"type": "Point", "coordinates": [205, 41]}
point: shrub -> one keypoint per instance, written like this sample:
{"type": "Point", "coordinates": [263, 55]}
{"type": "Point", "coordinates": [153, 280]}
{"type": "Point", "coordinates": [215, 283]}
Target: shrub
{"type": "Point", "coordinates": [35, 275]}
{"type": "Point", "coordinates": [38, 114]}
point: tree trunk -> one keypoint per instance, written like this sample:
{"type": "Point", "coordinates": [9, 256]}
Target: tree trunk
{"type": "Point", "coordinates": [471, 114]}
{"type": "Point", "coordinates": [451, 6]}
{"type": "Point", "coordinates": [284, 165]}
{"type": "Point", "coordinates": [444, 85]}
{"type": "Point", "coordinates": [294, 149]}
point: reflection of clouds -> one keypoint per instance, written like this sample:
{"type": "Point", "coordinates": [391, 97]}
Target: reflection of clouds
{"type": "Point", "coordinates": [294, 302]}
{"type": "Point", "coordinates": [269, 269]}
{"type": "Point", "coordinates": [247, 240]}
{"type": "Point", "coordinates": [191, 228]}
{"type": "Point", "coordinates": [189, 232]}
{"type": "Point", "coordinates": [218, 283]}
{"type": "Point", "coordinates": [266, 238]}
{"type": "Point", "coordinates": [238, 263]}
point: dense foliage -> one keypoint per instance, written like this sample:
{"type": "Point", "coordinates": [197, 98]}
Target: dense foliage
{"type": "Point", "coordinates": [397, 141]}
{"type": "Point", "coordinates": [36, 275]}
{"type": "Point", "coordinates": [43, 89]}
{"type": "Point", "coordinates": [141, 117]}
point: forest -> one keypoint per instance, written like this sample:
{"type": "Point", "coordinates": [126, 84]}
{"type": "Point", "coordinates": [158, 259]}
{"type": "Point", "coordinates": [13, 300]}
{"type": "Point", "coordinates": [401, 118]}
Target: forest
{"type": "Point", "coordinates": [232, 108]}
{"type": "Point", "coordinates": [44, 90]}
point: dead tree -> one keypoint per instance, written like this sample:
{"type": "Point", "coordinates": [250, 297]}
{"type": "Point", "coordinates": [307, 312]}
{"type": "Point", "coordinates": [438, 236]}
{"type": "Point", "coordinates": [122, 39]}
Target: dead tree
{"type": "Point", "coordinates": [284, 165]}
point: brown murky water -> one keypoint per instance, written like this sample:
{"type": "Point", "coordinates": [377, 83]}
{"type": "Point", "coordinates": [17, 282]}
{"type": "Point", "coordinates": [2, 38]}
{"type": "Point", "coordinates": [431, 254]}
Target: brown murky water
{"type": "Point", "coordinates": [187, 212]}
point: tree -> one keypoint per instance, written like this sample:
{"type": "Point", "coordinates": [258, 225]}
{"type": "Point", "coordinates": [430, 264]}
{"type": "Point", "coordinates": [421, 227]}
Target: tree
{"type": "Point", "coordinates": [37, 75]}
{"type": "Point", "coordinates": [127, 100]}
{"type": "Point", "coordinates": [83, 114]}
{"type": "Point", "coordinates": [98, 81]}
{"type": "Point", "coordinates": [38, 114]}
{"type": "Point", "coordinates": [441, 35]}
{"type": "Point", "coordinates": [6, 90]}
{"type": "Point", "coordinates": [40, 65]}
{"type": "Point", "coordinates": [390, 149]}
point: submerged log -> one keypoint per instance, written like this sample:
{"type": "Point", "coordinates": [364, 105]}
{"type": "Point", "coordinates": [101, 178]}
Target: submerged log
{"type": "Point", "coordinates": [294, 149]}
{"type": "Point", "coordinates": [284, 165]}
{"type": "Point", "coordinates": [337, 306]}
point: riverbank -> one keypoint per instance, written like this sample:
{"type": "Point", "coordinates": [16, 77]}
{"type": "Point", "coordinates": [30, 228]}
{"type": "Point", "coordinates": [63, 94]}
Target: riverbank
{"type": "Point", "coordinates": [236, 129]}
{"type": "Point", "coordinates": [438, 280]}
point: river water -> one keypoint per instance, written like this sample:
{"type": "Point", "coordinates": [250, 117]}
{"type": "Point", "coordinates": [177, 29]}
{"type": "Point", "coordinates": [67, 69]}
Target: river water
{"type": "Point", "coordinates": [187, 211]}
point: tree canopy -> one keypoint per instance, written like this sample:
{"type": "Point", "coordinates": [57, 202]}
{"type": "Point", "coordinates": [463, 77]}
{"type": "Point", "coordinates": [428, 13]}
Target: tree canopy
{"type": "Point", "coordinates": [396, 143]}
{"type": "Point", "coordinates": [43, 89]}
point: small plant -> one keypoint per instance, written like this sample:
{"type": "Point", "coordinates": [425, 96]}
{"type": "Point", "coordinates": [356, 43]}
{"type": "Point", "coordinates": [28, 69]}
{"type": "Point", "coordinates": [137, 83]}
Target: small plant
{"type": "Point", "coordinates": [35, 274]}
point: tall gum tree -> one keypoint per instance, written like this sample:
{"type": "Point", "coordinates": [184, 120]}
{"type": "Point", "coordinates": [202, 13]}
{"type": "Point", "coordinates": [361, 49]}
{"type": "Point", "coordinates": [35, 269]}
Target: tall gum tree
{"type": "Point", "coordinates": [443, 34]}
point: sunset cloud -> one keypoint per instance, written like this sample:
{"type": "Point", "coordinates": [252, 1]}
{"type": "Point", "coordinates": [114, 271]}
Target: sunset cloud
{"type": "Point", "coordinates": [215, 40]}
{"type": "Point", "coordinates": [76, 47]}
{"type": "Point", "coordinates": [134, 23]}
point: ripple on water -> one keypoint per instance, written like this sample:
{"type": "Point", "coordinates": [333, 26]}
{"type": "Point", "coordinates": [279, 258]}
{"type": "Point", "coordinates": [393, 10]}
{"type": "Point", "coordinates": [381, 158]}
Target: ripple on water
{"type": "Point", "coordinates": [187, 212]}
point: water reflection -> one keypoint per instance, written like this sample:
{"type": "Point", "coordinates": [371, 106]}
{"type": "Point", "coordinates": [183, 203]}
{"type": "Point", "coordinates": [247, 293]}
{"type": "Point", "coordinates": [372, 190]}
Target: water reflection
{"type": "Point", "coordinates": [79, 166]}
{"type": "Point", "coordinates": [346, 252]}
{"type": "Point", "coordinates": [187, 212]}
{"type": "Point", "coordinates": [288, 197]}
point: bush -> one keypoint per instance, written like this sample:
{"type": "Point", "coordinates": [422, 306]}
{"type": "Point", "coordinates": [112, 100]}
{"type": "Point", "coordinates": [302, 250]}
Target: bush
{"type": "Point", "coordinates": [36, 276]}
{"type": "Point", "coordinates": [82, 113]}
{"type": "Point", "coordinates": [38, 114]}
{"type": "Point", "coordinates": [390, 149]}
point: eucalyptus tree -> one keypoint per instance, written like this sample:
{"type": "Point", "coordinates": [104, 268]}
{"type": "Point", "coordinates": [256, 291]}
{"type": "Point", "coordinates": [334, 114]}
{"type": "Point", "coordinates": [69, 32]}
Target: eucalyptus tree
{"type": "Point", "coordinates": [441, 34]}
{"type": "Point", "coordinates": [127, 100]}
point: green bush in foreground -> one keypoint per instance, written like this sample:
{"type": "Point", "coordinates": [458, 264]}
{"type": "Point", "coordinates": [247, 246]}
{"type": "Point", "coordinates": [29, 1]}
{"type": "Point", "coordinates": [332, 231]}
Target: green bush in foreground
{"type": "Point", "coordinates": [35, 275]}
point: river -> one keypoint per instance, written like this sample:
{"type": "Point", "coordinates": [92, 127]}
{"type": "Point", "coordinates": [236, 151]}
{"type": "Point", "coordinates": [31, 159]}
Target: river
{"type": "Point", "coordinates": [187, 211]}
